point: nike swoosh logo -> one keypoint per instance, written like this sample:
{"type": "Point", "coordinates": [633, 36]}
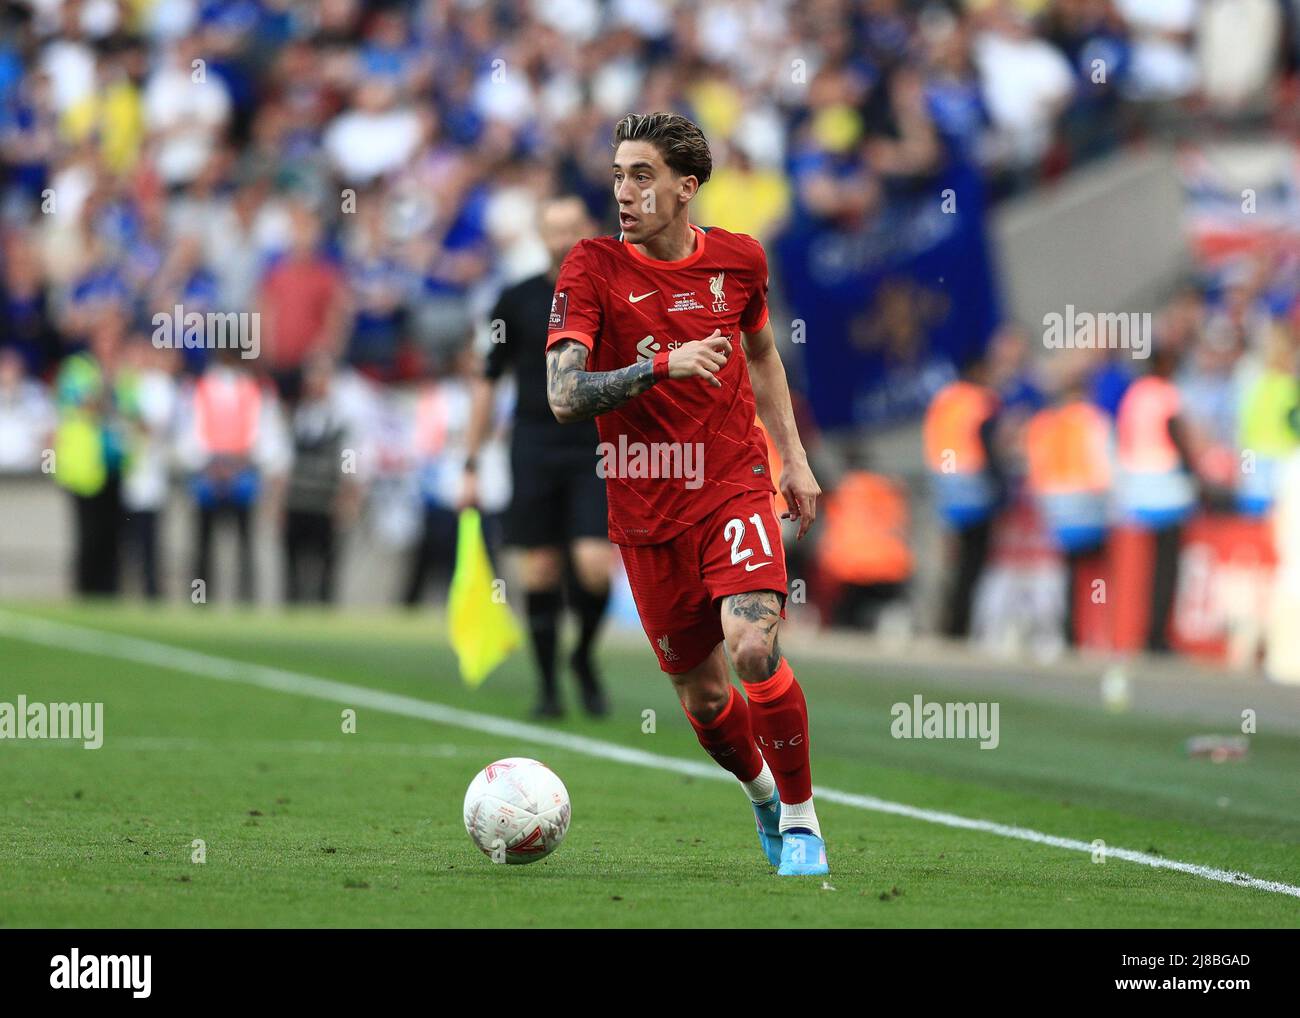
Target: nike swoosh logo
{"type": "Point", "coordinates": [636, 300]}
{"type": "Point", "coordinates": [750, 566]}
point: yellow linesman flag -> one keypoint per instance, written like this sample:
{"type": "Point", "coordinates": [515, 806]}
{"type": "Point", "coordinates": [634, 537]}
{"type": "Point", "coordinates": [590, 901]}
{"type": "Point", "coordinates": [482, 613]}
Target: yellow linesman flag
{"type": "Point", "coordinates": [482, 629]}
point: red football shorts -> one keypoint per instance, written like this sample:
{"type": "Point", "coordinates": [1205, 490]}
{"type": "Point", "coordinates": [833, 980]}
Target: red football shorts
{"type": "Point", "coordinates": [677, 584]}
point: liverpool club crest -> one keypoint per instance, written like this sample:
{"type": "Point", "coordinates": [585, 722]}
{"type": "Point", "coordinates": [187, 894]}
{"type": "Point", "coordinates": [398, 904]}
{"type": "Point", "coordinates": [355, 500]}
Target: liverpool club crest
{"type": "Point", "coordinates": [719, 298]}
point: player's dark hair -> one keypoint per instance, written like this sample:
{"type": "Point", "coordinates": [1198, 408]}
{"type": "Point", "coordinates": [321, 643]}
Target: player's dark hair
{"type": "Point", "coordinates": [679, 141]}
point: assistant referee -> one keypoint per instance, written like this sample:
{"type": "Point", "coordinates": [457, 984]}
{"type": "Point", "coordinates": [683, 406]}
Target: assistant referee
{"type": "Point", "coordinates": [558, 503]}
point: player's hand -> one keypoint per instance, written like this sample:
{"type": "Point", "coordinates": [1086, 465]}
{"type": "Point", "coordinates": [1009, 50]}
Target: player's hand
{"type": "Point", "coordinates": [800, 490]}
{"type": "Point", "coordinates": [700, 358]}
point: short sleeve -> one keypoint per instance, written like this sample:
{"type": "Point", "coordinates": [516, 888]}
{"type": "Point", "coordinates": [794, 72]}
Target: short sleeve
{"type": "Point", "coordinates": [575, 306]}
{"type": "Point", "coordinates": [754, 316]}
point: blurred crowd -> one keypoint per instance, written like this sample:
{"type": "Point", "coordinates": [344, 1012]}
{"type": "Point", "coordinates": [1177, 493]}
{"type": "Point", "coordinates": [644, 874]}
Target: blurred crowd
{"type": "Point", "coordinates": [364, 177]}
{"type": "Point", "coordinates": [1093, 446]}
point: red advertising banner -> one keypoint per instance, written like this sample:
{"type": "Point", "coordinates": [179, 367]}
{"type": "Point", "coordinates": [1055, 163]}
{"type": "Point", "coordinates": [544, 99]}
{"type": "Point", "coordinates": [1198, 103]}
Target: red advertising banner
{"type": "Point", "coordinates": [1225, 575]}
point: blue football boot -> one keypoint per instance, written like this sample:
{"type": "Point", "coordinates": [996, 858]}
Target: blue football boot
{"type": "Point", "coordinates": [767, 817]}
{"type": "Point", "coordinates": [803, 854]}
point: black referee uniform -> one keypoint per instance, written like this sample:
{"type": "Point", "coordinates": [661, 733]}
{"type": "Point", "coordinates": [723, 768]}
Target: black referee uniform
{"type": "Point", "coordinates": [558, 495]}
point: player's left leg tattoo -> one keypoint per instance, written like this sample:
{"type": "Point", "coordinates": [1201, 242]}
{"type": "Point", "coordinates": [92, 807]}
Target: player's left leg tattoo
{"type": "Point", "coordinates": [778, 717]}
{"type": "Point", "coordinates": [751, 622]}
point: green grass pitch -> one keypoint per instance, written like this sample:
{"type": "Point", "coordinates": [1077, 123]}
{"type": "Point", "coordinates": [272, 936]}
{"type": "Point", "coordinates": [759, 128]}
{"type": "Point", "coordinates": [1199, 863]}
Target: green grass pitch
{"type": "Point", "coordinates": [305, 825]}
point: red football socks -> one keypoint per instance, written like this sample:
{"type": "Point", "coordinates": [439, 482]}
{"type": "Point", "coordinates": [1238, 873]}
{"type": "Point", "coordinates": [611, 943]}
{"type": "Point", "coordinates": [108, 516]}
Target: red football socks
{"type": "Point", "coordinates": [729, 740]}
{"type": "Point", "coordinates": [778, 717]}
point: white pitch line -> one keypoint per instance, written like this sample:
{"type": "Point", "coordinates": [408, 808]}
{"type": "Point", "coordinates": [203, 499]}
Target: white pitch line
{"type": "Point", "coordinates": [62, 636]}
{"type": "Point", "coordinates": [165, 743]}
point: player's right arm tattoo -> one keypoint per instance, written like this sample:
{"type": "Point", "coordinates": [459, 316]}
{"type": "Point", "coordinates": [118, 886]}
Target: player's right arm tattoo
{"type": "Point", "coordinates": [576, 394]}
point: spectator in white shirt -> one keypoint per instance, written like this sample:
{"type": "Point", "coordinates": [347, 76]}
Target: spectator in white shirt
{"type": "Point", "coordinates": [1164, 66]}
{"type": "Point", "coordinates": [1026, 83]}
{"type": "Point", "coordinates": [186, 108]}
{"type": "Point", "coordinates": [375, 137]}
{"type": "Point", "coordinates": [27, 417]}
{"type": "Point", "coordinates": [150, 411]}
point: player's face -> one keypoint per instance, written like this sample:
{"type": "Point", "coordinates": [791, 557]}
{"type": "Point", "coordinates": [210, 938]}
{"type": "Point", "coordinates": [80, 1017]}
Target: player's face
{"type": "Point", "coordinates": [649, 194]}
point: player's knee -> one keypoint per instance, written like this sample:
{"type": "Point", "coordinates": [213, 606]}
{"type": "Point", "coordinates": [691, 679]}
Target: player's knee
{"type": "Point", "coordinates": [541, 568]}
{"type": "Point", "coordinates": [703, 700]}
{"type": "Point", "coordinates": [592, 559]}
{"type": "Point", "coordinates": [751, 656]}
{"type": "Point", "coordinates": [705, 705]}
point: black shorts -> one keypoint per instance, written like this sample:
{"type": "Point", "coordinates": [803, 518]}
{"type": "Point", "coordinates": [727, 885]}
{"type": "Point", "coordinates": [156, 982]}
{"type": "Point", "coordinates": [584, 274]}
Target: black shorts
{"type": "Point", "coordinates": [558, 497]}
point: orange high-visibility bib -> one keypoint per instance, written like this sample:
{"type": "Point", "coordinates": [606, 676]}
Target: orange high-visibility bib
{"type": "Point", "coordinates": [864, 540]}
{"type": "Point", "coordinates": [1142, 427]}
{"type": "Point", "coordinates": [951, 431]}
{"type": "Point", "coordinates": [228, 409]}
{"type": "Point", "coordinates": [1067, 450]}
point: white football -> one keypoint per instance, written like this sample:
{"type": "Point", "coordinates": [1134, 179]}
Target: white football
{"type": "Point", "coordinates": [517, 810]}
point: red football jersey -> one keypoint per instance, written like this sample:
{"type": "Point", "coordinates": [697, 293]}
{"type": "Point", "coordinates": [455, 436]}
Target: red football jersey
{"type": "Point", "coordinates": [625, 307]}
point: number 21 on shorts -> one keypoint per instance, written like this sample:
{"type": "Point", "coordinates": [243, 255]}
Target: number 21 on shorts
{"type": "Point", "coordinates": [734, 532]}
